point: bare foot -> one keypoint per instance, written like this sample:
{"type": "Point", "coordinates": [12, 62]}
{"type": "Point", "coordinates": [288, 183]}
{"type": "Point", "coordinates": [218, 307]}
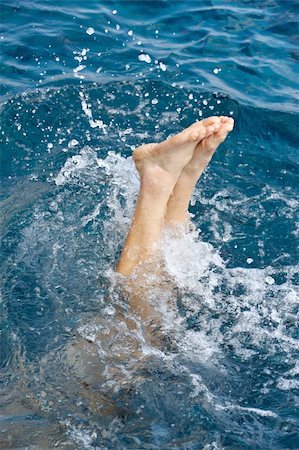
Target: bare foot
{"type": "Point", "coordinates": [177, 207]}
{"type": "Point", "coordinates": [168, 158]}
{"type": "Point", "coordinates": [206, 148]}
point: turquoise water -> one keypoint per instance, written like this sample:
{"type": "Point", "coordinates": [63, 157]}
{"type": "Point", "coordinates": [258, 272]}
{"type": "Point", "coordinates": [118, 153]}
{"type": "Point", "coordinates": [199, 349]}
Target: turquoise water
{"type": "Point", "coordinates": [82, 84]}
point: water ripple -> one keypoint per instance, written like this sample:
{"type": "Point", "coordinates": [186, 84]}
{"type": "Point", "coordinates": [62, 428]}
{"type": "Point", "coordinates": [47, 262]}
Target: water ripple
{"type": "Point", "coordinates": [255, 47]}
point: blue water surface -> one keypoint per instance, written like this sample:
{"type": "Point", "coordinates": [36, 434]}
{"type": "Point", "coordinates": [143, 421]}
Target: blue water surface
{"type": "Point", "coordinates": [82, 84]}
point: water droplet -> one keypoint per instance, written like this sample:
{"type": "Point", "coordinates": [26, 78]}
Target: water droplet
{"type": "Point", "coordinates": [144, 57]}
{"type": "Point", "coordinates": [163, 67]}
{"type": "Point", "coordinates": [249, 260]}
{"type": "Point", "coordinates": [155, 101]}
{"type": "Point", "coordinates": [53, 207]}
{"type": "Point", "coordinates": [270, 280]}
{"type": "Point", "coordinates": [130, 32]}
{"type": "Point", "coordinates": [90, 31]}
{"type": "Point", "coordinates": [79, 68]}
{"type": "Point", "coordinates": [73, 143]}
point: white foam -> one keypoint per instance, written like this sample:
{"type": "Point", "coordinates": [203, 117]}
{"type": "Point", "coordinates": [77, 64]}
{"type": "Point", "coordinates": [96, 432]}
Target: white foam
{"type": "Point", "coordinates": [71, 172]}
{"type": "Point", "coordinates": [234, 306]}
{"type": "Point", "coordinates": [232, 311]}
{"type": "Point", "coordinates": [188, 261]}
{"type": "Point", "coordinates": [287, 384]}
{"type": "Point", "coordinates": [259, 412]}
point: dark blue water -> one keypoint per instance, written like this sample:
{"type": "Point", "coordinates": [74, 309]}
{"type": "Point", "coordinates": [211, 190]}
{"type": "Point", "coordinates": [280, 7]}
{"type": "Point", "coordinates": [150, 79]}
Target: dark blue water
{"type": "Point", "coordinates": [82, 84]}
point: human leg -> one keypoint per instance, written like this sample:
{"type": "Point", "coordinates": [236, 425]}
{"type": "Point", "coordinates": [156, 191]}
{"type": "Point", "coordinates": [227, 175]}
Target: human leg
{"type": "Point", "coordinates": [159, 166]}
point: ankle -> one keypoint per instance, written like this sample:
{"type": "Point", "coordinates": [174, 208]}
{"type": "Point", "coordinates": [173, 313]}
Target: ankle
{"type": "Point", "coordinates": [194, 170]}
{"type": "Point", "coordinates": [156, 181]}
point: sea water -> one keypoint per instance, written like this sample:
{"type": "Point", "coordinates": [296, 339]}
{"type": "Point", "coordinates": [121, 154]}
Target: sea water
{"type": "Point", "coordinates": [82, 85]}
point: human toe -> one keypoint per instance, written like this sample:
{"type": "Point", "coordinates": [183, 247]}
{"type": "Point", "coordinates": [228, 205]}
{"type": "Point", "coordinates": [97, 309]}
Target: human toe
{"type": "Point", "coordinates": [212, 129]}
{"type": "Point", "coordinates": [226, 127]}
{"type": "Point", "coordinates": [198, 134]}
{"type": "Point", "coordinates": [228, 120]}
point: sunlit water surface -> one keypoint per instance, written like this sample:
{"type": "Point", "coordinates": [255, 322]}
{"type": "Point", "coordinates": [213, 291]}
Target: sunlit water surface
{"type": "Point", "coordinates": [82, 86]}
